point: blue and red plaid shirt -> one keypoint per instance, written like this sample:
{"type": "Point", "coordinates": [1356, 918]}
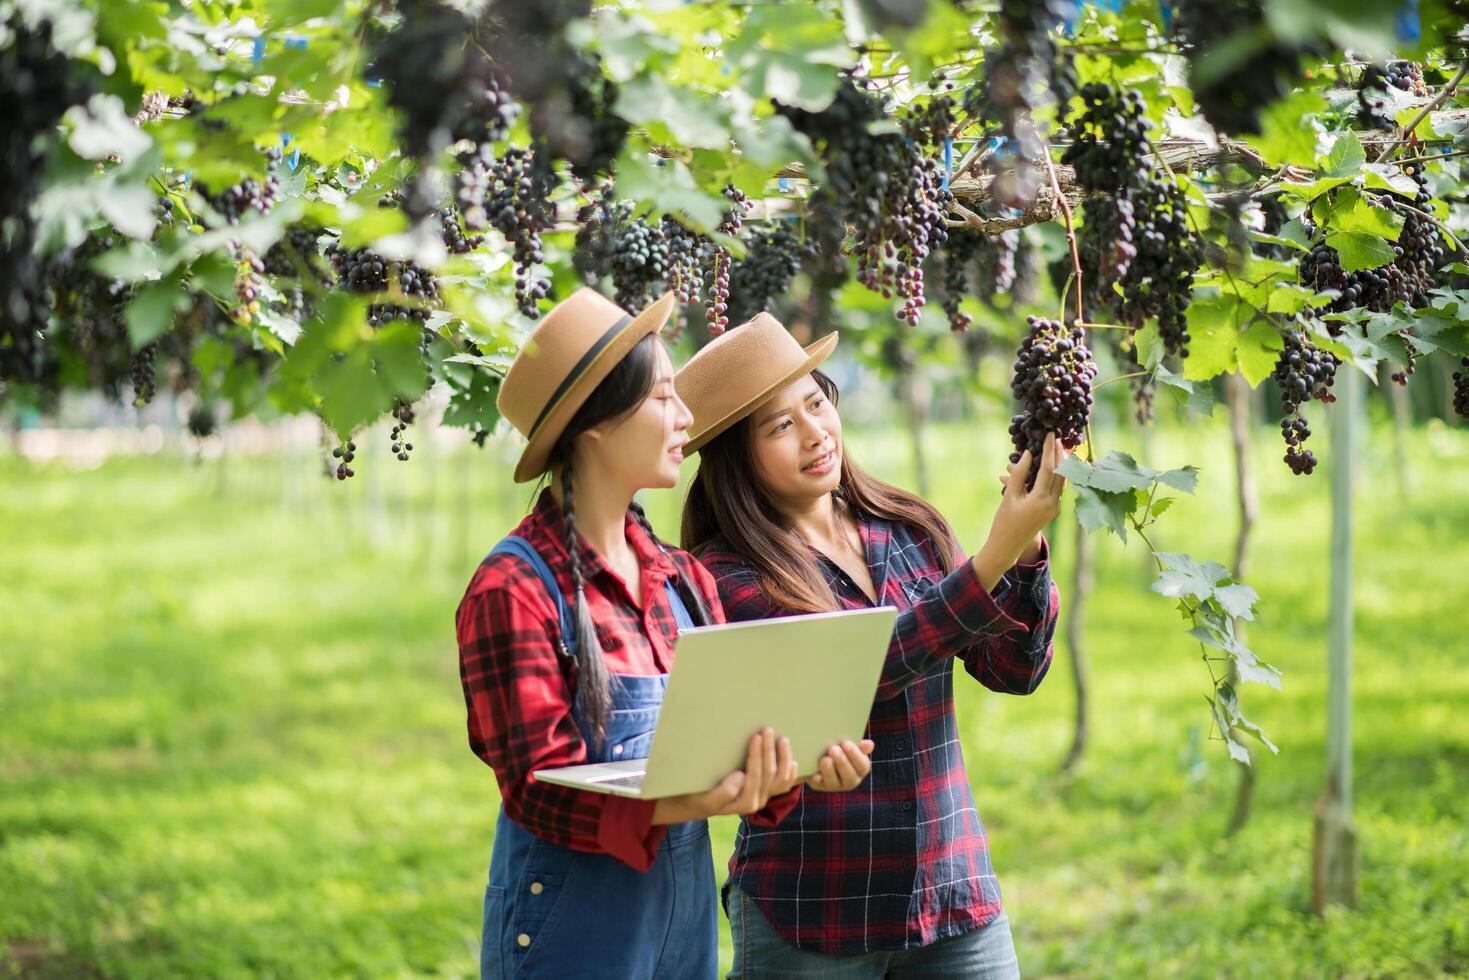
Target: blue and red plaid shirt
{"type": "Point", "coordinates": [901, 861]}
{"type": "Point", "coordinates": [519, 696]}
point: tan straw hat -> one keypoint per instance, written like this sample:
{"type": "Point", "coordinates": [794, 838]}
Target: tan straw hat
{"type": "Point", "coordinates": [741, 369]}
{"type": "Point", "coordinates": [565, 357]}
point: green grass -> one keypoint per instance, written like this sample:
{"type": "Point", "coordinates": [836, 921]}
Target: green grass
{"type": "Point", "coordinates": [232, 736]}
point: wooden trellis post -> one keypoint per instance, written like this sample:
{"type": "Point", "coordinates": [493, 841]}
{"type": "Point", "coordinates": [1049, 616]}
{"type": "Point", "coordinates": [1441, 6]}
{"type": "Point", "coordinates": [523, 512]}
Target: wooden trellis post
{"type": "Point", "coordinates": [1334, 874]}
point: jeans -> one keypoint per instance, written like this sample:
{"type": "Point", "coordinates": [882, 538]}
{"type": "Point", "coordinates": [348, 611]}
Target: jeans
{"type": "Point", "coordinates": [987, 953]}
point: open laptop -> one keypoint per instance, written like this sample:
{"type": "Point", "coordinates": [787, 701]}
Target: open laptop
{"type": "Point", "coordinates": [811, 678]}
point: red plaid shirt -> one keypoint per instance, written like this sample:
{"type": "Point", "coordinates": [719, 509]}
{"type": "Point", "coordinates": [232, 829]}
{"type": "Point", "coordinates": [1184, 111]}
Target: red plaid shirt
{"type": "Point", "coordinates": [519, 696]}
{"type": "Point", "coordinates": [901, 861]}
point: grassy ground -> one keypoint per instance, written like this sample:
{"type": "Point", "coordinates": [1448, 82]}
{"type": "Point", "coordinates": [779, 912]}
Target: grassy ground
{"type": "Point", "coordinates": [232, 743]}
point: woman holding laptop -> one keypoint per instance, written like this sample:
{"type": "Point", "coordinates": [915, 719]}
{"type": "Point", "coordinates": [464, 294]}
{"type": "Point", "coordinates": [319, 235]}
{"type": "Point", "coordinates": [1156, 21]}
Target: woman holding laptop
{"type": "Point", "coordinates": [566, 635]}
{"type": "Point", "coordinates": [894, 878]}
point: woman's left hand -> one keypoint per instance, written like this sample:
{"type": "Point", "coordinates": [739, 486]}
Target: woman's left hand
{"type": "Point", "coordinates": [843, 767]}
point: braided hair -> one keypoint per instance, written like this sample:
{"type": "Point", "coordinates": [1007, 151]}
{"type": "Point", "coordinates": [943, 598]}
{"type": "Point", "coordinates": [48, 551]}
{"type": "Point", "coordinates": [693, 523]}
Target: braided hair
{"type": "Point", "coordinates": [622, 391]}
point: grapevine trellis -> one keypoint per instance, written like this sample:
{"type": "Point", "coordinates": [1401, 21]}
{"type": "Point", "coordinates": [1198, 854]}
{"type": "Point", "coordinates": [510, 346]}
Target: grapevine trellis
{"type": "Point", "coordinates": [335, 208]}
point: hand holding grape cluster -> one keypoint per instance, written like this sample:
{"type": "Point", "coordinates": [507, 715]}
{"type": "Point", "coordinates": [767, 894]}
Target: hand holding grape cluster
{"type": "Point", "coordinates": [1053, 381]}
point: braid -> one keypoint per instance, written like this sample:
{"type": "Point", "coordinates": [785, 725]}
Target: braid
{"type": "Point", "coordinates": [693, 598]}
{"type": "Point", "coordinates": [592, 681]}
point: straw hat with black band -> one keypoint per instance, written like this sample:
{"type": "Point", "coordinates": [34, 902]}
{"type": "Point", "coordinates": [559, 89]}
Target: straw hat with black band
{"type": "Point", "coordinates": [740, 370]}
{"type": "Point", "coordinates": [574, 347]}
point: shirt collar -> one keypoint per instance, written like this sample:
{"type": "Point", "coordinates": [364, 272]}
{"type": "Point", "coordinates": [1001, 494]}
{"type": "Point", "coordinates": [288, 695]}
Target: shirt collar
{"type": "Point", "coordinates": [552, 518]}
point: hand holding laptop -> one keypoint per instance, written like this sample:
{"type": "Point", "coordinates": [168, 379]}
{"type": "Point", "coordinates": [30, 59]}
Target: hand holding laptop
{"type": "Point", "coordinates": [769, 771]}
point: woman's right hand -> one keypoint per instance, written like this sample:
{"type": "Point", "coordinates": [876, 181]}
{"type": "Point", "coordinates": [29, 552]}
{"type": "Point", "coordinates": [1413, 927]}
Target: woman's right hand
{"type": "Point", "coordinates": [768, 766]}
{"type": "Point", "coordinates": [1022, 513]}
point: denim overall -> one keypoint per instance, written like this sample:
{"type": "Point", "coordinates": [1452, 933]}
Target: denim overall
{"type": "Point", "coordinates": [554, 912]}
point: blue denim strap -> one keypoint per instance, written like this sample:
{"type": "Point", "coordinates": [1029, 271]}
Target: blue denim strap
{"type": "Point", "coordinates": [522, 549]}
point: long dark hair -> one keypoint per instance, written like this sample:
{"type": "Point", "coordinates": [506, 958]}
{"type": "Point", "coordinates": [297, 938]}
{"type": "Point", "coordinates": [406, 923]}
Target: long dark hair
{"type": "Point", "coordinates": [618, 395]}
{"type": "Point", "coordinates": [726, 502]}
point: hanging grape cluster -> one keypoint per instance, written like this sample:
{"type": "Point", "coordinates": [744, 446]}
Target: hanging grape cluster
{"type": "Point", "coordinates": [887, 187]}
{"type": "Point", "coordinates": [512, 192]}
{"type": "Point", "coordinates": [236, 201]}
{"type": "Point", "coordinates": [717, 309]}
{"type": "Point", "coordinates": [1418, 255]}
{"type": "Point", "coordinates": [1026, 72]}
{"type": "Point", "coordinates": [756, 282]}
{"type": "Point", "coordinates": [1237, 67]}
{"type": "Point", "coordinates": [403, 416]}
{"type": "Point", "coordinates": [960, 251]}
{"type": "Point", "coordinates": [1137, 231]}
{"type": "Point", "coordinates": [344, 454]}
{"type": "Point", "coordinates": [1053, 383]}
{"type": "Point", "coordinates": [1373, 105]}
{"type": "Point", "coordinates": [38, 86]}
{"type": "Point", "coordinates": [1461, 388]}
{"type": "Point", "coordinates": [1302, 372]}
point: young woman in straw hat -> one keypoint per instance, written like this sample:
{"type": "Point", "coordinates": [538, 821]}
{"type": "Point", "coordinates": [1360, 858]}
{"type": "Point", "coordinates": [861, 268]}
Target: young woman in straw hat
{"type": "Point", "coordinates": [894, 878]}
{"type": "Point", "coordinates": [584, 884]}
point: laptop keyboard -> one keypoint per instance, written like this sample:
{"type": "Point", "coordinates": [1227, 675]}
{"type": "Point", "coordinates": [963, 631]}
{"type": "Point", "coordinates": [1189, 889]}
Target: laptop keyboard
{"type": "Point", "coordinates": [631, 781]}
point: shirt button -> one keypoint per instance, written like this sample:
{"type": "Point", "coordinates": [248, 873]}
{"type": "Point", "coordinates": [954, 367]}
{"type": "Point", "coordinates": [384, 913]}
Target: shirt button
{"type": "Point", "coordinates": [536, 888]}
{"type": "Point", "coordinates": [901, 745]}
{"type": "Point", "coordinates": [907, 806]}
{"type": "Point", "coordinates": [522, 940]}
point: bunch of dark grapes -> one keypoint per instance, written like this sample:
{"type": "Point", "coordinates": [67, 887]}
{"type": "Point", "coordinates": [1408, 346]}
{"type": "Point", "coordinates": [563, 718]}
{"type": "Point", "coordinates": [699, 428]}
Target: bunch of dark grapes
{"type": "Point", "coordinates": [1233, 82]}
{"type": "Point", "coordinates": [36, 81]}
{"type": "Point", "coordinates": [490, 111]}
{"type": "Point", "coordinates": [87, 329]}
{"type": "Point", "coordinates": [144, 383]}
{"type": "Point", "coordinates": [717, 311]}
{"type": "Point", "coordinates": [1001, 266]}
{"type": "Point", "coordinates": [1159, 279]}
{"type": "Point", "coordinates": [296, 250]}
{"type": "Point", "coordinates": [403, 416]}
{"type": "Point", "coordinates": [853, 157]}
{"type": "Point", "coordinates": [1109, 139]}
{"type": "Point", "coordinates": [1137, 231]}
{"type": "Point", "coordinates": [235, 201]}
{"type": "Point", "coordinates": [687, 252]}
{"type": "Point", "coordinates": [1023, 74]}
{"type": "Point", "coordinates": [613, 243]}
{"type": "Point", "coordinates": [1461, 388]}
{"type": "Point", "coordinates": [640, 259]}
{"type": "Point", "coordinates": [518, 204]}
{"type": "Point", "coordinates": [364, 271]}
{"type": "Point", "coordinates": [772, 259]}
{"type": "Point", "coordinates": [585, 130]}
{"type": "Point", "coordinates": [1109, 143]}
{"type": "Point", "coordinates": [887, 187]}
{"type": "Point", "coordinates": [1372, 91]}
{"type": "Point", "coordinates": [1053, 382]}
{"type": "Point", "coordinates": [1302, 372]}
{"type": "Point", "coordinates": [344, 454]}
{"type": "Point", "coordinates": [456, 239]}
{"type": "Point", "coordinates": [960, 251]}
{"type": "Point", "coordinates": [1410, 364]}
{"type": "Point", "coordinates": [1418, 255]}
{"type": "Point", "coordinates": [444, 85]}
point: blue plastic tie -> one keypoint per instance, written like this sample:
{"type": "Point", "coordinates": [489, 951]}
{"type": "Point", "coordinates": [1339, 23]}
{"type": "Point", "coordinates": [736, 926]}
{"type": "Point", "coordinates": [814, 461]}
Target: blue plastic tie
{"type": "Point", "coordinates": [259, 50]}
{"type": "Point", "coordinates": [948, 160]}
{"type": "Point", "coordinates": [1406, 23]}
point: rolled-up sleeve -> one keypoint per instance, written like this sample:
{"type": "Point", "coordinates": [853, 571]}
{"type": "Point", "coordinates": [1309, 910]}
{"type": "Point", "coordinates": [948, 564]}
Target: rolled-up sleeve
{"type": "Point", "coordinates": [1015, 661]}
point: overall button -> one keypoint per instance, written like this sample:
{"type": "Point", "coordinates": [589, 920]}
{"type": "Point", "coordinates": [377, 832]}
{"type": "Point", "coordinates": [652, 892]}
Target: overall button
{"type": "Point", "coordinates": [522, 940]}
{"type": "Point", "coordinates": [536, 888]}
{"type": "Point", "coordinates": [617, 750]}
